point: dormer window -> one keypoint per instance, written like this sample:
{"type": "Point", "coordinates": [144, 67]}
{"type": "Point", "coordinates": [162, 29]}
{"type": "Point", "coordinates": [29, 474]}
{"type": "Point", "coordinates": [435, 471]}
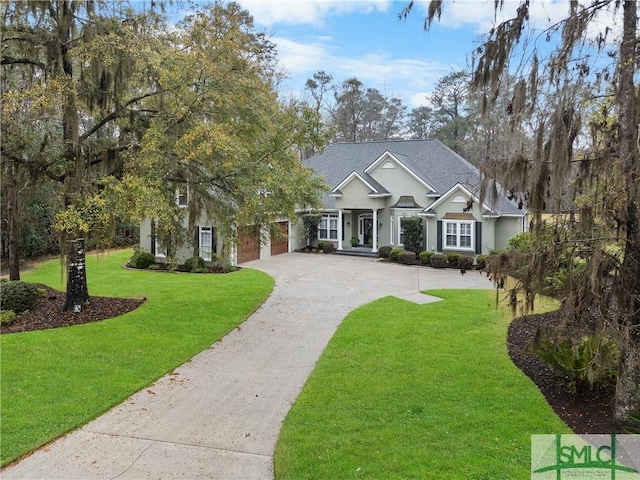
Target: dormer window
{"type": "Point", "coordinates": [182, 196]}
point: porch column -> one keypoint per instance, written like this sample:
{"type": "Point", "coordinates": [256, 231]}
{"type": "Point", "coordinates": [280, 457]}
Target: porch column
{"type": "Point", "coordinates": [340, 229]}
{"type": "Point", "coordinates": [375, 231]}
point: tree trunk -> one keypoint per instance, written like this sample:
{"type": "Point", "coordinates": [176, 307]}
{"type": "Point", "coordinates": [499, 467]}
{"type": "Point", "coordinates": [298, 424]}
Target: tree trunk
{"type": "Point", "coordinates": [77, 292]}
{"type": "Point", "coordinates": [629, 280]}
{"type": "Point", "coordinates": [13, 230]}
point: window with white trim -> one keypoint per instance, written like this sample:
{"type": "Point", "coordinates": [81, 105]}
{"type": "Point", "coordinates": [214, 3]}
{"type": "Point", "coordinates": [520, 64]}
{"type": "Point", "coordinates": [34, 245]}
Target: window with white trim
{"type": "Point", "coordinates": [328, 228]}
{"type": "Point", "coordinates": [206, 243]}
{"type": "Point", "coordinates": [182, 196]}
{"type": "Point", "coordinates": [458, 235]}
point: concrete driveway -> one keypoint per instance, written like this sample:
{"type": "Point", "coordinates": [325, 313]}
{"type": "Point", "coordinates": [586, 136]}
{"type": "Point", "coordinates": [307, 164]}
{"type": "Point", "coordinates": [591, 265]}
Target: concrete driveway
{"type": "Point", "coordinates": [218, 415]}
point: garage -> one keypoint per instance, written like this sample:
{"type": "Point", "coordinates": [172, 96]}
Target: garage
{"type": "Point", "coordinates": [280, 244]}
{"type": "Point", "coordinates": [248, 244]}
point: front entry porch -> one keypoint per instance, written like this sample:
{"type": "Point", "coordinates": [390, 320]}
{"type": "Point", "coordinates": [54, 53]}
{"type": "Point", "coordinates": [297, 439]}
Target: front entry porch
{"type": "Point", "coordinates": [361, 228]}
{"type": "Point", "coordinates": [359, 251]}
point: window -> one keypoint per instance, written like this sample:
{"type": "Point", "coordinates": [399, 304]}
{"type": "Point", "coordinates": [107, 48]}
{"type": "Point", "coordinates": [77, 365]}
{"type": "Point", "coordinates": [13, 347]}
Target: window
{"type": "Point", "coordinates": [181, 196]}
{"type": "Point", "coordinates": [206, 243]}
{"type": "Point", "coordinates": [458, 235]}
{"type": "Point", "coordinates": [328, 228]}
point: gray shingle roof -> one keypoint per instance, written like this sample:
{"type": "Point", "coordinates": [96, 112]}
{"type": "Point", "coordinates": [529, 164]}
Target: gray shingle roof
{"type": "Point", "coordinates": [432, 161]}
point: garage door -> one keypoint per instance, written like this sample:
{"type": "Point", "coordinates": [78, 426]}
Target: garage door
{"type": "Point", "coordinates": [280, 244]}
{"type": "Point", "coordinates": [248, 244]}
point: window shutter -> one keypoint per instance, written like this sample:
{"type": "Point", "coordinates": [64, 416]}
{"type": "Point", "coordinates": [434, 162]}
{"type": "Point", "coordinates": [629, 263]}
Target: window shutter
{"type": "Point", "coordinates": [478, 238]}
{"type": "Point", "coordinates": [196, 242]}
{"type": "Point", "coordinates": [153, 236]}
{"type": "Point", "coordinates": [439, 236]}
{"type": "Point", "coordinates": [213, 240]}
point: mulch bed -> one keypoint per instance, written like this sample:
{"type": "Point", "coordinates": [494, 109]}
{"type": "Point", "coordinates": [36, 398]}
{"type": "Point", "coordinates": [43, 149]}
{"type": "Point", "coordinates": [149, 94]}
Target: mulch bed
{"type": "Point", "coordinates": [48, 312]}
{"type": "Point", "coordinates": [586, 412]}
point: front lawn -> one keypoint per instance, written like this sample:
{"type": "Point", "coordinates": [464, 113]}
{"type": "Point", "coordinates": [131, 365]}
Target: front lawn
{"type": "Point", "coordinates": [56, 380]}
{"type": "Point", "coordinates": [416, 391]}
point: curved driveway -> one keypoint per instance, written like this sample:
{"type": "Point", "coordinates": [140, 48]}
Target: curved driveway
{"type": "Point", "coordinates": [218, 415]}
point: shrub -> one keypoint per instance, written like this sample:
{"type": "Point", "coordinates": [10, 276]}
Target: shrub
{"type": "Point", "coordinates": [18, 296]}
{"type": "Point", "coordinates": [311, 221]}
{"type": "Point", "coordinates": [328, 247]}
{"type": "Point", "coordinates": [438, 260]}
{"type": "Point", "coordinates": [393, 254]}
{"type": "Point", "coordinates": [465, 263]}
{"type": "Point", "coordinates": [189, 267]}
{"type": "Point", "coordinates": [592, 362]}
{"type": "Point", "coordinates": [321, 244]}
{"type": "Point", "coordinates": [481, 262]}
{"type": "Point", "coordinates": [142, 260]}
{"type": "Point", "coordinates": [407, 258]}
{"type": "Point", "coordinates": [412, 227]}
{"type": "Point", "coordinates": [384, 251]}
{"type": "Point", "coordinates": [425, 257]}
{"type": "Point", "coordinates": [7, 316]}
{"type": "Point", "coordinates": [452, 259]}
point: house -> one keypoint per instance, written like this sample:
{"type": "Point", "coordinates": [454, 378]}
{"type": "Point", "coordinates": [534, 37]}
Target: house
{"type": "Point", "coordinates": [374, 185]}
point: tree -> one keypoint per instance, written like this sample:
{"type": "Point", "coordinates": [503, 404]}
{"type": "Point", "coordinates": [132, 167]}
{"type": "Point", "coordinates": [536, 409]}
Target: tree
{"type": "Point", "coordinates": [449, 99]}
{"type": "Point", "coordinates": [365, 115]}
{"type": "Point", "coordinates": [604, 170]}
{"type": "Point", "coordinates": [421, 123]}
{"type": "Point", "coordinates": [220, 133]}
{"type": "Point", "coordinates": [74, 77]}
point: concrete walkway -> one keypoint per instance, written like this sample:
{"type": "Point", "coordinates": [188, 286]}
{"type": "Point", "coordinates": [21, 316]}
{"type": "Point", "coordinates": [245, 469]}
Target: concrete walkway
{"type": "Point", "coordinates": [218, 415]}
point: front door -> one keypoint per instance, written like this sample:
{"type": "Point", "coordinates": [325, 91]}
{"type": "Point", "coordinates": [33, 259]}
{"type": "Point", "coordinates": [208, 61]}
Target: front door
{"type": "Point", "coordinates": [365, 229]}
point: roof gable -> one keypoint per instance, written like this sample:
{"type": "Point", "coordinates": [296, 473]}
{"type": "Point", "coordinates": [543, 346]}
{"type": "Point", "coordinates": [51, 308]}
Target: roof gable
{"type": "Point", "coordinates": [388, 157]}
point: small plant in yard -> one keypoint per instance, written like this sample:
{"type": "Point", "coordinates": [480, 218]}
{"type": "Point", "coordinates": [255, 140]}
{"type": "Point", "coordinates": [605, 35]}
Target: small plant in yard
{"type": "Point", "coordinates": [438, 260]}
{"type": "Point", "coordinates": [321, 244]}
{"type": "Point", "coordinates": [355, 241]}
{"type": "Point", "coordinates": [384, 251]}
{"type": "Point", "coordinates": [198, 267]}
{"type": "Point", "coordinates": [328, 247]}
{"type": "Point", "coordinates": [19, 296]}
{"type": "Point", "coordinates": [7, 316]}
{"type": "Point", "coordinates": [452, 259]}
{"type": "Point", "coordinates": [481, 262]}
{"type": "Point", "coordinates": [425, 257]}
{"type": "Point", "coordinates": [590, 363]}
{"type": "Point", "coordinates": [407, 258]}
{"type": "Point", "coordinates": [142, 260]}
{"type": "Point", "coordinates": [393, 255]}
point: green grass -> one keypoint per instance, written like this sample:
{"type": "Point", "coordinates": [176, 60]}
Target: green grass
{"type": "Point", "coordinates": [56, 380]}
{"type": "Point", "coordinates": [416, 391]}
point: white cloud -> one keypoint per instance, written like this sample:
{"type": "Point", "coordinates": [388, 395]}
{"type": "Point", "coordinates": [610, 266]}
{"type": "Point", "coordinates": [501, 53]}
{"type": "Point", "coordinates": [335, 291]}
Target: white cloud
{"type": "Point", "coordinates": [405, 78]}
{"type": "Point", "coordinates": [308, 12]}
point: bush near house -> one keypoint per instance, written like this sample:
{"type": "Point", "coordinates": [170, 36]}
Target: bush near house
{"type": "Point", "coordinates": [384, 251]}
{"type": "Point", "coordinates": [393, 255]}
{"type": "Point", "coordinates": [438, 260]}
{"type": "Point", "coordinates": [452, 259]}
{"type": "Point", "coordinates": [481, 262]}
{"type": "Point", "coordinates": [328, 247]}
{"type": "Point", "coordinates": [142, 260]}
{"type": "Point", "coordinates": [425, 257]}
{"type": "Point", "coordinates": [407, 258]}
{"type": "Point", "coordinates": [465, 262]}
{"type": "Point", "coordinates": [412, 227]}
{"type": "Point", "coordinates": [189, 267]}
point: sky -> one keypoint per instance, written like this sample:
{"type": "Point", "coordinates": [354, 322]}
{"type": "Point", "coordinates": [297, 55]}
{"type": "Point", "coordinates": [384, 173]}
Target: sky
{"type": "Point", "coordinates": [366, 39]}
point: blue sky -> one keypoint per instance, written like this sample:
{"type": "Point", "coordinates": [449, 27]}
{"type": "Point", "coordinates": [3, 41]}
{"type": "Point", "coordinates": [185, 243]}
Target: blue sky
{"type": "Point", "coordinates": [365, 38]}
